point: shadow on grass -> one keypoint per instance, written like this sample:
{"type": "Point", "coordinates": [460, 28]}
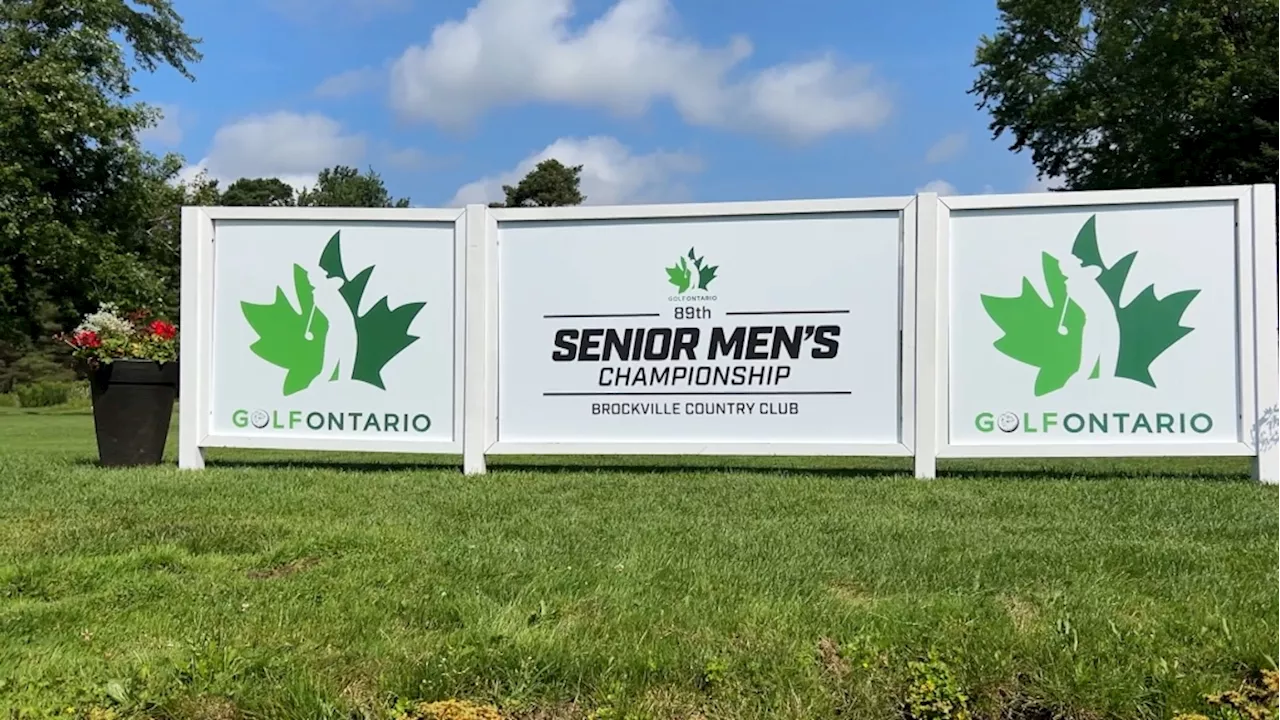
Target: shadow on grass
{"type": "Point", "coordinates": [1206, 469]}
{"type": "Point", "coordinates": [58, 423]}
{"type": "Point", "coordinates": [1022, 469]}
{"type": "Point", "coordinates": [431, 463]}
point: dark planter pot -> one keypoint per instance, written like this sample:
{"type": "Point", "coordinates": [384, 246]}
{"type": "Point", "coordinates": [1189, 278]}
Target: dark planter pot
{"type": "Point", "coordinates": [132, 406]}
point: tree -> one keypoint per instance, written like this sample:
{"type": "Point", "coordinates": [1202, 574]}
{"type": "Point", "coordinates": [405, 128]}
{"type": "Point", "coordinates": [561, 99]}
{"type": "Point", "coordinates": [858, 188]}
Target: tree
{"type": "Point", "coordinates": [1133, 93]}
{"type": "Point", "coordinates": [343, 186]}
{"type": "Point", "coordinates": [258, 192]}
{"type": "Point", "coordinates": [167, 195]}
{"type": "Point", "coordinates": [549, 184]}
{"type": "Point", "coordinates": [77, 192]}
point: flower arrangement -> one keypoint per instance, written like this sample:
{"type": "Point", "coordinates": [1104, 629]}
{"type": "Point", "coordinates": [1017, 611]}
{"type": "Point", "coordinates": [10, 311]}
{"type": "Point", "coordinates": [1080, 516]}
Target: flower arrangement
{"type": "Point", "coordinates": [106, 335]}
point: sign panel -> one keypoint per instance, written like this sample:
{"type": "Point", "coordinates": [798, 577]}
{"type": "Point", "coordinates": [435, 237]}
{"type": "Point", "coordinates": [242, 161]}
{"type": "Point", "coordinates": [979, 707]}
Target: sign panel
{"type": "Point", "coordinates": [333, 330]}
{"type": "Point", "coordinates": [701, 330]}
{"type": "Point", "coordinates": [1114, 324]}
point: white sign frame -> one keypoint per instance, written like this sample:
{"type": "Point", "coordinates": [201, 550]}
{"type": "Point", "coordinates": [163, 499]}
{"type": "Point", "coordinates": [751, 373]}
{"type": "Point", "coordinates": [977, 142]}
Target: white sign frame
{"type": "Point", "coordinates": [924, 312]}
{"type": "Point", "coordinates": [486, 442]}
{"type": "Point", "coordinates": [1256, 307]}
{"type": "Point", "coordinates": [199, 245]}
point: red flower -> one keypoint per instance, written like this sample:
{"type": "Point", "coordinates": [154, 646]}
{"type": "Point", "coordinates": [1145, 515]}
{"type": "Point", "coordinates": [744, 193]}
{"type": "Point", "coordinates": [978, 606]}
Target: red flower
{"type": "Point", "coordinates": [86, 339]}
{"type": "Point", "coordinates": [163, 330]}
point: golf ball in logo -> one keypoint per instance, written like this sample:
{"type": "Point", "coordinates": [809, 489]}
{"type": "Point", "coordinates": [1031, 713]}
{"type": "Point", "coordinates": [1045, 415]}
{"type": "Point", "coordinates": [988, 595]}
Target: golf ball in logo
{"type": "Point", "coordinates": [1007, 422]}
{"type": "Point", "coordinates": [259, 418]}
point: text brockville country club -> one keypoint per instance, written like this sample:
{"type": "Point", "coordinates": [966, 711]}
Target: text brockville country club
{"type": "Point", "coordinates": [664, 344]}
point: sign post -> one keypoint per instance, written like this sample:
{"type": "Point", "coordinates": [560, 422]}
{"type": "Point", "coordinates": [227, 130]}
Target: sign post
{"type": "Point", "coordinates": [320, 330]}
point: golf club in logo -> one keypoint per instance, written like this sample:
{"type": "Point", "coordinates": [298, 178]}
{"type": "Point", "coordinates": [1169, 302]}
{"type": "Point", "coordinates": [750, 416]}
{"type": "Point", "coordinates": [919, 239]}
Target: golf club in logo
{"type": "Point", "coordinates": [325, 334]}
{"type": "Point", "coordinates": [691, 273]}
{"type": "Point", "coordinates": [1083, 332]}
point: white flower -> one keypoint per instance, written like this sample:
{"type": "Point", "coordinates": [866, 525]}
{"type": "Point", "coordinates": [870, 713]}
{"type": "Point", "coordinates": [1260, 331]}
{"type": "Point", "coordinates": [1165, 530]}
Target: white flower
{"type": "Point", "coordinates": [106, 322]}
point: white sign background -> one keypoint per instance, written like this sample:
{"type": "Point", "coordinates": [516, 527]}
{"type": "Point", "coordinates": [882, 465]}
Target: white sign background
{"type": "Point", "coordinates": [1180, 247]}
{"type": "Point", "coordinates": [413, 262]}
{"type": "Point", "coordinates": [766, 263]}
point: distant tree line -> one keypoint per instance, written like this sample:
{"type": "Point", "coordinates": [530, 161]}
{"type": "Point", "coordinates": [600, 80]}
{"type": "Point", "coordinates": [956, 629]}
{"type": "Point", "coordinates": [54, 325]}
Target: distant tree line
{"type": "Point", "coordinates": [338, 186]}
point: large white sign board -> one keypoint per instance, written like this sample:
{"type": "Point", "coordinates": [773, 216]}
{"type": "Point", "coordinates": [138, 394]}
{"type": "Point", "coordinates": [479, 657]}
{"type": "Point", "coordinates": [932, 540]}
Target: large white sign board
{"type": "Point", "coordinates": [773, 329]}
{"type": "Point", "coordinates": [1103, 325]}
{"type": "Point", "coordinates": [1107, 328]}
{"type": "Point", "coordinates": [1091, 324]}
{"type": "Point", "coordinates": [334, 334]}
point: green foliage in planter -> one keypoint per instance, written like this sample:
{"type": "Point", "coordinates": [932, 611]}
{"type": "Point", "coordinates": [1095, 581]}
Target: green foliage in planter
{"type": "Point", "coordinates": [107, 335]}
{"type": "Point", "coordinates": [44, 394]}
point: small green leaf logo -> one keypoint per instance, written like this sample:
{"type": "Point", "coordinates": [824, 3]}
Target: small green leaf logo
{"type": "Point", "coordinates": [1083, 325]}
{"type": "Point", "coordinates": [690, 273]}
{"type": "Point", "coordinates": [326, 331]}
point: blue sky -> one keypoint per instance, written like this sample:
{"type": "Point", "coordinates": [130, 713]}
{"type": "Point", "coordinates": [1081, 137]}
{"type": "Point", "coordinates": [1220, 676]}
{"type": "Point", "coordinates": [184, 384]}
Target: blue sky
{"type": "Point", "coordinates": [661, 100]}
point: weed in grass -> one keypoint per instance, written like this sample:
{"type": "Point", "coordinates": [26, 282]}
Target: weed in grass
{"type": "Point", "coordinates": [934, 693]}
{"type": "Point", "coordinates": [1255, 699]}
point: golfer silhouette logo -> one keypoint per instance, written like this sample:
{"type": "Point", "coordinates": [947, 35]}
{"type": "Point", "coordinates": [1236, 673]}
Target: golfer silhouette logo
{"type": "Point", "coordinates": [1100, 341]}
{"type": "Point", "coordinates": [324, 335]}
{"type": "Point", "coordinates": [691, 273]}
{"type": "Point", "coordinates": [1083, 333]}
{"type": "Point", "coordinates": [339, 347]}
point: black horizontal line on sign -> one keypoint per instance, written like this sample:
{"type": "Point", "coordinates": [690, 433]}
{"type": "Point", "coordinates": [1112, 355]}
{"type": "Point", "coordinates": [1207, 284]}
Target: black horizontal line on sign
{"type": "Point", "coordinates": [788, 312]}
{"type": "Point", "coordinates": [599, 315]}
{"type": "Point", "coordinates": [731, 392]}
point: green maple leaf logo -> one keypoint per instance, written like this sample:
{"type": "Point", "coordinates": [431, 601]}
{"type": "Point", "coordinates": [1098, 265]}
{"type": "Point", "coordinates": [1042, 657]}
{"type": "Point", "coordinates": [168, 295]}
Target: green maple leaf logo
{"type": "Point", "coordinates": [678, 275]}
{"type": "Point", "coordinates": [282, 333]}
{"type": "Point", "coordinates": [691, 274]}
{"type": "Point", "coordinates": [381, 333]}
{"type": "Point", "coordinates": [284, 341]}
{"type": "Point", "coordinates": [1148, 325]}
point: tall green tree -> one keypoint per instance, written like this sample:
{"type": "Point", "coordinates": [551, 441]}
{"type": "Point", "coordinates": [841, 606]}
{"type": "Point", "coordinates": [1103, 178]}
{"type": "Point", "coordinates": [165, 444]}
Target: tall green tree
{"type": "Point", "coordinates": [258, 192]}
{"type": "Point", "coordinates": [551, 183]}
{"type": "Point", "coordinates": [166, 195]}
{"type": "Point", "coordinates": [343, 186]}
{"type": "Point", "coordinates": [77, 192]}
{"type": "Point", "coordinates": [1136, 93]}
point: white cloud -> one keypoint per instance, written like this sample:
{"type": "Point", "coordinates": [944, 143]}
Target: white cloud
{"type": "Point", "coordinates": [351, 82]}
{"type": "Point", "coordinates": [947, 148]}
{"type": "Point", "coordinates": [611, 174]}
{"type": "Point", "coordinates": [285, 145]}
{"type": "Point", "coordinates": [167, 132]}
{"type": "Point", "coordinates": [409, 158]}
{"type": "Point", "coordinates": [942, 187]}
{"type": "Point", "coordinates": [509, 52]}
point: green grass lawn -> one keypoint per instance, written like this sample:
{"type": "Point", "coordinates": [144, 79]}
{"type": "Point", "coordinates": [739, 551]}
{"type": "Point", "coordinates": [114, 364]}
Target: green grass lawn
{"type": "Point", "coordinates": [276, 586]}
